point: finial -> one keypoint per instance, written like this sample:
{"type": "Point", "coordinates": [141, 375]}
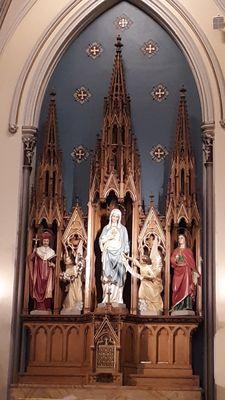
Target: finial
{"type": "Point", "coordinates": [183, 91]}
{"type": "Point", "coordinates": [52, 94]}
{"type": "Point", "coordinates": [151, 199]}
{"type": "Point", "coordinates": [118, 44]}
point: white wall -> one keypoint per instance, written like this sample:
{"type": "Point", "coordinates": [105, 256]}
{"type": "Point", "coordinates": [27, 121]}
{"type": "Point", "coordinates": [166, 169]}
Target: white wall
{"type": "Point", "coordinates": [13, 59]}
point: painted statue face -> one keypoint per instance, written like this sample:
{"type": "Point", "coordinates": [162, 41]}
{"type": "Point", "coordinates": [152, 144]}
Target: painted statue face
{"type": "Point", "coordinates": [151, 239]}
{"type": "Point", "coordinates": [146, 259]}
{"type": "Point", "coordinates": [45, 242]}
{"type": "Point", "coordinates": [181, 240]}
{"type": "Point", "coordinates": [115, 218]}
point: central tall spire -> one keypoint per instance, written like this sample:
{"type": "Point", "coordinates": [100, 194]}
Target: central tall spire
{"type": "Point", "coordinates": [116, 161]}
{"type": "Point", "coordinates": [117, 92]}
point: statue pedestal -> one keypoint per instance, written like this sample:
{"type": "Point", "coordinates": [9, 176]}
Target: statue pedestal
{"type": "Point", "coordinates": [41, 312]}
{"type": "Point", "coordinates": [149, 313]}
{"type": "Point", "coordinates": [182, 312]}
{"type": "Point", "coordinates": [70, 311]}
{"type": "Point", "coordinates": [111, 308]}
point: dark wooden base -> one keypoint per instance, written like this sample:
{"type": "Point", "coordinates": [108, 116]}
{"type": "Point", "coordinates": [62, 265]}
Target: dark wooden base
{"type": "Point", "coordinates": [115, 350]}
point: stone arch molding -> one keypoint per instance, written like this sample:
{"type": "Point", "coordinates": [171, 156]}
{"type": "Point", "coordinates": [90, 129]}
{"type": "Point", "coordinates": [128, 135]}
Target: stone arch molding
{"type": "Point", "coordinates": [32, 83]}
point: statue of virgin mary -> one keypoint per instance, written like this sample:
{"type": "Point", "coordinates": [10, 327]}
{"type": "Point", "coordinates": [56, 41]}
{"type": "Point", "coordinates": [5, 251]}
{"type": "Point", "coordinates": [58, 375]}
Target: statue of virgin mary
{"type": "Point", "coordinates": [114, 244]}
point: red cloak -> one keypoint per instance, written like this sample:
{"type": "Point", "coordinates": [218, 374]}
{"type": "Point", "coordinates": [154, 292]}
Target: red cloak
{"type": "Point", "coordinates": [182, 279]}
{"type": "Point", "coordinates": [41, 282]}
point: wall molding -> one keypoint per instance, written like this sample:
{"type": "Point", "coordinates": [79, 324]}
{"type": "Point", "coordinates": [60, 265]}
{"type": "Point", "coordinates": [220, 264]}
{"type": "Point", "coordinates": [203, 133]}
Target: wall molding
{"type": "Point", "coordinates": [221, 4]}
{"type": "Point", "coordinates": [14, 22]}
{"type": "Point", "coordinates": [4, 6]}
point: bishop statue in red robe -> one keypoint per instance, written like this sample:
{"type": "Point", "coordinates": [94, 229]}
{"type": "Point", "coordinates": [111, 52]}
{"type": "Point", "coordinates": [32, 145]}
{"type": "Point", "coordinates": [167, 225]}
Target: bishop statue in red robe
{"type": "Point", "coordinates": [41, 274]}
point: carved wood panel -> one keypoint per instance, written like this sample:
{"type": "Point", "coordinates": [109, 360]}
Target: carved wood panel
{"type": "Point", "coordinates": [58, 344]}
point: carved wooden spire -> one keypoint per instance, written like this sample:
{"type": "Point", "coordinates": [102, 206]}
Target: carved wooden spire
{"type": "Point", "coordinates": [117, 93]}
{"type": "Point", "coordinates": [50, 153]}
{"type": "Point", "coordinates": [182, 145]}
{"type": "Point", "coordinates": [116, 165]}
{"type": "Point", "coordinates": [181, 190]}
{"type": "Point", "coordinates": [49, 202]}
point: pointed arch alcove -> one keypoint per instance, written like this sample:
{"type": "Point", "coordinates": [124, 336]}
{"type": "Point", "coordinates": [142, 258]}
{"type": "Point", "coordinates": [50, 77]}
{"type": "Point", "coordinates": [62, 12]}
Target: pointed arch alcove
{"type": "Point", "coordinates": [28, 115]}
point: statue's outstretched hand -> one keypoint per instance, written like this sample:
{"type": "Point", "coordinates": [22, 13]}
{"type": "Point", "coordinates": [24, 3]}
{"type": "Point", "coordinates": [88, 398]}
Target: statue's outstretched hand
{"type": "Point", "coordinates": [195, 277]}
{"type": "Point", "coordinates": [51, 264]}
{"type": "Point", "coordinates": [127, 257]}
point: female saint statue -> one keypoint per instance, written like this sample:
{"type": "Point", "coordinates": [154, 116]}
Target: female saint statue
{"type": "Point", "coordinates": [184, 277]}
{"type": "Point", "coordinates": [113, 243]}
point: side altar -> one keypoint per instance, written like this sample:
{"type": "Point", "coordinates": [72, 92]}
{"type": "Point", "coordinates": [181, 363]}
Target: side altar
{"type": "Point", "coordinates": [112, 298]}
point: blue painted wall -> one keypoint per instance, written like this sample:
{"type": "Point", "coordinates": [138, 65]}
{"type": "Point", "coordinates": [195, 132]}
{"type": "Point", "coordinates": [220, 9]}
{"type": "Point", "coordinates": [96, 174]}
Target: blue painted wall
{"type": "Point", "coordinates": [153, 122]}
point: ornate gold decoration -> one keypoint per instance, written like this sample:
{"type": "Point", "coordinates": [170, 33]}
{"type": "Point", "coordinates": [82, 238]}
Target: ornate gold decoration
{"type": "Point", "coordinates": [159, 92]}
{"type": "Point", "coordinates": [158, 153]}
{"type": "Point", "coordinates": [82, 95]}
{"type": "Point", "coordinates": [123, 22]}
{"type": "Point", "coordinates": [149, 48]}
{"type": "Point", "coordinates": [79, 154]}
{"type": "Point", "coordinates": [94, 50]}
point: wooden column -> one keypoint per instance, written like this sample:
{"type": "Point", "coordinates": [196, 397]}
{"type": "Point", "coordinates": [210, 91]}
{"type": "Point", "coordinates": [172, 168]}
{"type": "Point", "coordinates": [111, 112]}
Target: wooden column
{"type": "Point", "coordinates": [199, 268]}
{"type": "Point", "coordinates": [57, 271]}
{"type": "Point", "coordinates": [167, 272]}
{"type": "Point", "coordinates": [26, 278]}
{"type": "Point", "coordinates": [135, 231]}
{"type": "Point", "coordinates": [208, 266]}
{"type": "Point", "coordinates": [89, 259]}
{"type": "Point", "coordinates": [29, 141]}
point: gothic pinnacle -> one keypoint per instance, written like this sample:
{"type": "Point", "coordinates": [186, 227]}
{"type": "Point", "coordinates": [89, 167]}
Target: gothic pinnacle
{"type": "Point", "coordinates": [118, 44]}
{"type": "Point", "coordinates": [182, 91]}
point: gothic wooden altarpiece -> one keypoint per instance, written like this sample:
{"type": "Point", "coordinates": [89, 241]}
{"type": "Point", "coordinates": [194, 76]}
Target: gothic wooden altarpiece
{"type": "Point", "coordinates": [111, 345]}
